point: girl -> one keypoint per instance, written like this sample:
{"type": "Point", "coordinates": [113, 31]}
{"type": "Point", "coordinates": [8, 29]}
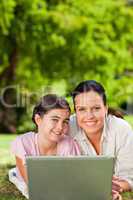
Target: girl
{"type": "Point", "coordinates": [51, 116]}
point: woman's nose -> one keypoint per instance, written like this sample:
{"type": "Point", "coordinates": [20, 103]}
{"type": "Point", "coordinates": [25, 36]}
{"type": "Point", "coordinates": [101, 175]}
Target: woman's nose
{"type": "Point", "coordinates": [89, 114]}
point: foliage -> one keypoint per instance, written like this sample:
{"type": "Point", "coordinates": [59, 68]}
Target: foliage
{"type": "Point", "coordinates": [43, 41]}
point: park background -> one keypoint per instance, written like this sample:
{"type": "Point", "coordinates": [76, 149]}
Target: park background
{"type": "Point", "coordinates": [49, 46]}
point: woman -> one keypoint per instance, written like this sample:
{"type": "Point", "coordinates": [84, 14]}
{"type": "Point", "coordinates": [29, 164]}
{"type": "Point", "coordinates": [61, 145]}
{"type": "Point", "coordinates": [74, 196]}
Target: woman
{"type": "Point", "coordinates": [51, 116]}
{"type": "Point", "coordinates": [99, 132]}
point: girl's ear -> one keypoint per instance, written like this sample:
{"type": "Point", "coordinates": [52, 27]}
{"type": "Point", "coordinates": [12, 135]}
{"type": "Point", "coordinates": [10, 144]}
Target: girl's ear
{"type": "Point", "coordinates": [38, 119]}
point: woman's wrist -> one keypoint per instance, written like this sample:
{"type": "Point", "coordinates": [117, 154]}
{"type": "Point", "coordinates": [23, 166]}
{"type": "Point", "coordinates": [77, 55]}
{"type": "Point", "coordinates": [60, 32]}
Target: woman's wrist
{"type": "Point", "coordinates": [125, 186]}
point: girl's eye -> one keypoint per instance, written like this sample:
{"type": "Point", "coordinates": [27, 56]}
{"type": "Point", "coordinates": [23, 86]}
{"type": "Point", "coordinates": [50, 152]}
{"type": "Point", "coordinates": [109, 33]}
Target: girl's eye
{"type": "Point", "coordinates": [66, 122]}
{"type": "Point", "coordinates": [55, 120]}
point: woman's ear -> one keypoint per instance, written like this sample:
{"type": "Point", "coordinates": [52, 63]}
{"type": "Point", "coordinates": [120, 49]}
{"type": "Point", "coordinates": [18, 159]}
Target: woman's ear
{"type": "Point", "coordinates": [38, 119]}
{"type": "Point", "coordinates": [106, 109]}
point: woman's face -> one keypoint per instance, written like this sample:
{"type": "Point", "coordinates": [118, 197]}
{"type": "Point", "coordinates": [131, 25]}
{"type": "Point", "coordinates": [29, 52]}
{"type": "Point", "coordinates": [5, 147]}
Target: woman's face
{"type": "Point", "coordinates": [54, 124]}
{"type": "Point", "coordinates": [90, 112]}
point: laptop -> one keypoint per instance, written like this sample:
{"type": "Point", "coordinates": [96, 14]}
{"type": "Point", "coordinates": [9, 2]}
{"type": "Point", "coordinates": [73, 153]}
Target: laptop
{"type": "Point", "coordinates": [70, 178]}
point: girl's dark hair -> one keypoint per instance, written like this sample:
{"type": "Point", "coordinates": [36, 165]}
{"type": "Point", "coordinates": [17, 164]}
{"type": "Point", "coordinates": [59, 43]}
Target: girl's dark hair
{"type": "Point", "coordinates": [49, 102]}
{"type": "Point", "coordinates": [92, 85]}
{"type": "Point", "coordinates": [89, 85]}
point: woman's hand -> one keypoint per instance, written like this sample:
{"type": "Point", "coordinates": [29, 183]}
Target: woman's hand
{"type": "Point", "coordinates": [116, 195]}
{"type": "Point", "coordinates": [116, 186]}
{"type": "Point", "coordinates": [120, 185]}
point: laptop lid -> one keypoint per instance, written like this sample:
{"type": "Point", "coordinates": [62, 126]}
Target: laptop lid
{"type": "Point", "coordinates": [70, 178]}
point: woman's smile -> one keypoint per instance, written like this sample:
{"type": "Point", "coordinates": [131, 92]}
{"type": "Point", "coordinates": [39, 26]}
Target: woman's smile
{"type": "Point", "coordinates": [90, 123]}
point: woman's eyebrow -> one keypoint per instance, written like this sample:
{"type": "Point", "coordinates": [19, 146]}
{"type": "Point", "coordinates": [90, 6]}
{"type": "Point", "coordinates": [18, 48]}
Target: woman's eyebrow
{"type": "Point", "coordinates": [55, 116]}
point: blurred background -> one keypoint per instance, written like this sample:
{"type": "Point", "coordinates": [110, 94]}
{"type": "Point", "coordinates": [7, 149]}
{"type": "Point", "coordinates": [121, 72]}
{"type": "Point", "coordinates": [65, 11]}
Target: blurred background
{"type": "Point", "coordinates": [52, 45]}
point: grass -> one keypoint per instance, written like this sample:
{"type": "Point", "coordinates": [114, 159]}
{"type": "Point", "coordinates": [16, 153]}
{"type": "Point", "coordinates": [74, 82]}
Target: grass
{"type": "Point", "coordinates": [5, 155]}
{"type": "Point", "coordinates": [7, 190]}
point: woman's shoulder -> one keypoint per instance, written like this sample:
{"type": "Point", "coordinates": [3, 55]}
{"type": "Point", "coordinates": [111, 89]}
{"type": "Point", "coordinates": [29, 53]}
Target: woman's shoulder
{"type": "Point", "coordinates": [119, 124]}
{"type": "Point", "coordinates": [112, 119]}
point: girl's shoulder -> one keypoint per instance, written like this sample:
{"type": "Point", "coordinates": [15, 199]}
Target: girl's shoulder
{"type": "Point", "coordinates": [68, 146]}
{"type": "Point", "coordinates": [24, 144]}
{"type": "Point", "coordinates": [26, 138]}
{"type": "Point", "coordinates": [28, 135]}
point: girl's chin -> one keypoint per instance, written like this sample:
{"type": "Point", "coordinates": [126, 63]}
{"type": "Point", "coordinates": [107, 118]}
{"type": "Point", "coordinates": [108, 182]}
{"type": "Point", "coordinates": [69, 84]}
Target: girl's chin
{"type": "Point", "coordinates": [55, 139]}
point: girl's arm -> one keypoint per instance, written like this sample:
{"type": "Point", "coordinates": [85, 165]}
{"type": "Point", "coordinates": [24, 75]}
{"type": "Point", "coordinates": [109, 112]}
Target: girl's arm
{"type": "Point", "coordinates": [22, 169]}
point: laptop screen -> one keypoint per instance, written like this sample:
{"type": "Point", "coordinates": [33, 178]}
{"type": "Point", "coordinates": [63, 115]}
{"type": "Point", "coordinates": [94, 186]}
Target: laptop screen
{"type": "Point", "coordinates": [70, 178]}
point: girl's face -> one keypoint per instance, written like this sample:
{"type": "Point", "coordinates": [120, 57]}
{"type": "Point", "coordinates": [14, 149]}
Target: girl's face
{"type": "Point", "coordinates": [90, 112]}
{"type": "Point", "coordinates": [53, 125]}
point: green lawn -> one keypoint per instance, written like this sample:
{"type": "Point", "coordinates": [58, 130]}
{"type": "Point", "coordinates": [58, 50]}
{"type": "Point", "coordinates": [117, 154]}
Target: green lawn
{"type": "Point", "coordinates": [5, 155]}
{"type": "Point", "coordinates": [7, 189]}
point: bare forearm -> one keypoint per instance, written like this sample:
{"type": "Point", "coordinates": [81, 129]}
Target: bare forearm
{"type": "Point", "coordinates": [22, 169]}
{"type": "Point", "coordinates": [124, 185]}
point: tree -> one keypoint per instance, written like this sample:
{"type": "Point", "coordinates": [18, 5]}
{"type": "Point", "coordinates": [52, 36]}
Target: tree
{"type": "Point", "coordinates": [67, 40]}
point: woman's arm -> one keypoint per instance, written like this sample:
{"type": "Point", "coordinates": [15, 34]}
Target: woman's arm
{"type": "Point", "coordinates": [124, 158]}
{"type": "Point", "coordinates": [124, 185]}
{"type": "Point", "coordinates": [22, 169]}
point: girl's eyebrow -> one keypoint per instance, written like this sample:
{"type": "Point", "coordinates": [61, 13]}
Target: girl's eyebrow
{"type": "Point", "coordinates": [58, 117]}
{"type": "Point", "coordinates": [80, 106]}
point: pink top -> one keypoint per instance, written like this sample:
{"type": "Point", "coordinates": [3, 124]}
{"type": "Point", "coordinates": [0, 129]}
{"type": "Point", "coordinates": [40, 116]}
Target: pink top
{"type": "Point", "coordinates": [27, 145]}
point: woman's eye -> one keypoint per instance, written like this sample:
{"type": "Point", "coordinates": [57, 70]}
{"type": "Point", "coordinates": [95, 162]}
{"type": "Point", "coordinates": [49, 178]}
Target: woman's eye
{"type": "Point", "coordinates": [97, 108]}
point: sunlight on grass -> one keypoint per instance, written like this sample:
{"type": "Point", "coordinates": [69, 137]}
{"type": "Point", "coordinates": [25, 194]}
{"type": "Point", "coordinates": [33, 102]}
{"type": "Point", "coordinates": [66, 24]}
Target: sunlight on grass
{"type": "Point", "coordinates": [7, 190]}
{"type": "Point", "coordinates": [5, 156]}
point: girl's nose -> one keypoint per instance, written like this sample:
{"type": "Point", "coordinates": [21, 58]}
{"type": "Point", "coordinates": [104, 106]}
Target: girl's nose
{"type": "Point", "coordinates": [59, 126]}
